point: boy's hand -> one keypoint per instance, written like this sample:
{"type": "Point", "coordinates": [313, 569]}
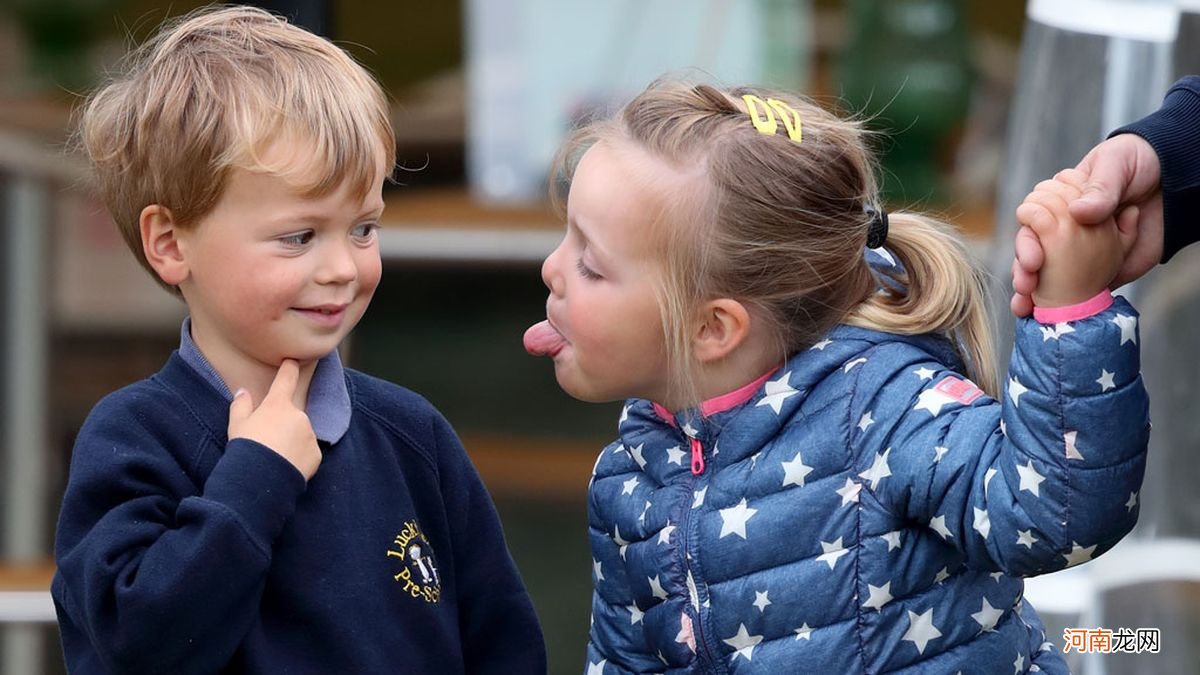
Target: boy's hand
{"type": "Point", "coordinates": [277, 423]}
{"type": "Point", "coordinates": [1078, 261]}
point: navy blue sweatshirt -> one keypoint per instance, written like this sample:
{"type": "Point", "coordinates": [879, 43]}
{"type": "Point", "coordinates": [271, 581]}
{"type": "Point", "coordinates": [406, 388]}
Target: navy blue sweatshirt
{"type": "Point", "coordinates": [1174, 132]}
{"type": "Point", "coordinates": [182, 552]}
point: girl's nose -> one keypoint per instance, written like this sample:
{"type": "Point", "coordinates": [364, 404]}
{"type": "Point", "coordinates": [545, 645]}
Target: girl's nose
{"type": "Point", "coordinates": [552, 271]}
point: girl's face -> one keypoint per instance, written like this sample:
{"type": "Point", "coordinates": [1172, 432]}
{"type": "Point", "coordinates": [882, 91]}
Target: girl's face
{"type": "Point", "coordinates": [608, 339]}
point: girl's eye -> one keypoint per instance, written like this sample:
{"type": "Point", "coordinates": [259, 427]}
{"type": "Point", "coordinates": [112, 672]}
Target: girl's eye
{"type": "Point", "coordinates": [587, 272]}
{"type": "Point", "coordinates": [365, 232]}
{"type": "Point", "coordinates": [297, 240]}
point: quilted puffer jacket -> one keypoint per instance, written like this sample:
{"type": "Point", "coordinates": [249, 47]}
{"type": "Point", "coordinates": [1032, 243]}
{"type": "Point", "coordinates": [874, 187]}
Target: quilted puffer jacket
{"type": "Point", "coordinates": [865, 508]}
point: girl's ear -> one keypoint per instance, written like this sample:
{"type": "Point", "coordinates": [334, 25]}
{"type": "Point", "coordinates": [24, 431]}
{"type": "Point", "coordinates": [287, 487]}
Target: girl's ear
{"type": "Point", "coordinates": [161, 244]}
{"type": "Point", "coordinates": [724, 325]}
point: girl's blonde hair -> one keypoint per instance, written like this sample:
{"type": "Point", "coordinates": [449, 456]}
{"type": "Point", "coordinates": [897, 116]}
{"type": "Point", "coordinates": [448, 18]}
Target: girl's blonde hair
{"type": "Point", "coordinates": [211, 91]}
{"type": "Point", "coordinates": [781, 226]}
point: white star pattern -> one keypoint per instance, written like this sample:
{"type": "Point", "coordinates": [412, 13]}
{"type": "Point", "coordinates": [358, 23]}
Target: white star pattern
{"type": "Point", "coordinates": [820, 346]}
{"type": "Point", "coordinates": [832, 551]}
{"type": "Point", "coordinates": [624, 415]}
{"type": "Point", "coordinates": [675, 455]}
{"type": "Point", "coordinates": [921, 630]}
{"type": "Point", "coordinates": [1106, 380]}
{"type": "Point", "coordinates": [597, 668]}
{"type": "Point", "coordinates": [885, 254]}
{"type": "Point", "coordinates": [636, 453]}
{"type": "Point", "coordinates": [1025, 538]}
{"type": "Point", "coordinates": [656, 588]}
{"type": "Point", "coordinates": [635, 614]}
{"type": "Point", "coordinates": [596, 570]}
{"type": "Point", "coordinates": [1030, 478]}
{"type": "Point", "coordinates": [849, 491]}
{"type": "Point", "coordinates": [1018, 665]}
{"type": "Point", "coordinates": [1015, 389]}
{"type": "Point", "coordinates": [850, 366]}
{"type": "Point", "coordinates": [996, 576]}
{"type": "Point", "coordinates": [686, 635]}
{"type": "Point", "coordinates": [1056, 331]}
{"type": "Point", "coordinates": [892, 538]}
{"type": "Point", "coordinates": [734, 519]}
{"type": "Point", "coordinates": [987, 617]}
{"type": "Point", "coordinates": [1128, 326]}
{"type": "Point", "coordinates": [865, 421]}
{"type": "Point", "coordinates": [932, 400]}
{"type": "Point", "coordinates": [777, 391]}
{"type": "Point", "coordinates": [879, 469]}
{"type": "Point", "coordinates": [925, 373]}
{"type": "Point", "coordinates": [942, 575]}
{"type": "Point", "coordinates": [761, 600]}
{"type": "Point", "coordinates": [698, 497]}
{"type": "Point", "coordinates": [938, 524]}
{"type": "Point", "coordinates": [987, 479]}
{"type": "Point", "coordinates": [628, 486]}
{"type": "Point", "coordinates": [938, 453]}
{"type": "Point", "coordinates": [689, 430]}
{"type": "Point", "coordinates": [743, 643]}
{"type": "Point", "coordinates": [795, 471]}
{"type": "Point", "coordinates": [1069, 442]}
{"type": "Point", "coordinates": [617, 536]}
{"type": "Point", "coordinates": [664, 535]}
{"type": "Point", "coordinates": [879, 596]}
{"type": "Point", "coordinates": [693, 592]}
{"type": "Point", "coordinates": [804, 632]}
{"type": "Point", "coordinates": [1132, 503]}
{"type": "Point", "coordinates": [983, 522]}
{"type": "Point", "coordinates": [1079, 554]}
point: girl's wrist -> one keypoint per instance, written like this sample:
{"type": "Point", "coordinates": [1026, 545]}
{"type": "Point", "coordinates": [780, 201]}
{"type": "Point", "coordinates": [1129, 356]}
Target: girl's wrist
{"type": "Point", "coordinates": [1073, 312]}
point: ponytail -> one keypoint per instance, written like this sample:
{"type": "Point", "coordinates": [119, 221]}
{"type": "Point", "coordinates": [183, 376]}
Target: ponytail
{"type": "Point", "coordinates": [944, 294]}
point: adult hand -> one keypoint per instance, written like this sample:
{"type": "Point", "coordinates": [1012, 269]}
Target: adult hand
{"type": "Point", "coordinates": [277, 423]}
{"type": "Point", "coordinates": [1121, 178]}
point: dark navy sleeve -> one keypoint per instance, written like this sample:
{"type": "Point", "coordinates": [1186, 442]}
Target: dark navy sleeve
{"type": "Point", "coordinates": [155, 573]}
{"type": "Point", "coordinates": [1045, 478]}
{"type": "Point", "coordinates": [500, 631]}
{"type": "Point", "coordinates": [1174, 133]}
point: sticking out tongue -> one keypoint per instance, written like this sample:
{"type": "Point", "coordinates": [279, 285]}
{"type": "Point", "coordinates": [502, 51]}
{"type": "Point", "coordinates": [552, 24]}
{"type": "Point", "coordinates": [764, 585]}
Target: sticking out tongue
{"type": "Point", "coordinates": [543, 340]}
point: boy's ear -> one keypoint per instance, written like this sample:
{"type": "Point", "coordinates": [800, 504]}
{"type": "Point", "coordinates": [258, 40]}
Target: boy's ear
{"type": "Point", "coordinates": [161, 244]}
{"type": "Point", "coordinates": [723, 326]}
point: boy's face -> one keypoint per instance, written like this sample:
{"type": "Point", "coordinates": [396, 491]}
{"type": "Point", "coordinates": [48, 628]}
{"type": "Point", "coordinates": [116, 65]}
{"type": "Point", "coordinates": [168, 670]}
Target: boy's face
{"type": "Point", "coordinates": [275, 274]}
{"type": "Point", "coordinates": [602, 283]}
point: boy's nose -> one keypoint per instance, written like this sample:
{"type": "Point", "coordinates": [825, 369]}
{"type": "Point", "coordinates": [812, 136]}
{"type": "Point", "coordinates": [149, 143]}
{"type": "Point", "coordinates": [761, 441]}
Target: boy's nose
{"type": "Point", "coordinates": [337, 265]}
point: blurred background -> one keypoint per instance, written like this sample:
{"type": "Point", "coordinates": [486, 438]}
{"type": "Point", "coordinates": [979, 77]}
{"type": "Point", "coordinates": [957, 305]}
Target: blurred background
{"type": "Point", "coordinates": [979, 101]}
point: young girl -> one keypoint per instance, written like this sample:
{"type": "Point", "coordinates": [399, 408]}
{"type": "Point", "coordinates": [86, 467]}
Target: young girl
{"type": "Point", "coordinates": [808, 477]}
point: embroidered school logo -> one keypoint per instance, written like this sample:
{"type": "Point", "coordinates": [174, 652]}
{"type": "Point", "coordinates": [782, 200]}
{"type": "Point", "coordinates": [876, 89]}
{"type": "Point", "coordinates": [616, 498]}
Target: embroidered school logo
{"type": "Point", "coordinates": [419, 573]}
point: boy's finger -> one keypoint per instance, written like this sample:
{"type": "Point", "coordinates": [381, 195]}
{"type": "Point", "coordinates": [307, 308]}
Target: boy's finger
{"type": "Point", "coordinates": [1074, 179]}
{"type": "Point", "coordinates": [1028, 249]}
{"type": "Point", "coordinates": [241, 407]}
{"type": "Point", "coordinates": [284, 384]}
{"type": "Point", "coordinates": [1066, 190]}
{"type": "Point", "coordinates": [1036, 214]}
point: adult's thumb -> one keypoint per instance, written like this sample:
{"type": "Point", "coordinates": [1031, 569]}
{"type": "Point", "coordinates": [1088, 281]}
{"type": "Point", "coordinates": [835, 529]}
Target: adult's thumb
{"type": "Point", "coordinates": [1107, 182]}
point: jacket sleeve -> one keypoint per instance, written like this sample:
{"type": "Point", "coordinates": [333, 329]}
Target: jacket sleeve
{"type": "Point", "coordinates": [1045, 478]}
{"type": "Point", "coordinates": [1174, 133]}
{"type": "Point", "coordinates": [500, 631]}
{"type": "Point", "coordinates": [156, 573]}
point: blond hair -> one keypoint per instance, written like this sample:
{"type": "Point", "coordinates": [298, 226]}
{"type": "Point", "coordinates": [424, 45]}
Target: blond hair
{"type": "Point", "coordinates": [210, 92]}
{"type": "Point", "coordinates": [780, 226]}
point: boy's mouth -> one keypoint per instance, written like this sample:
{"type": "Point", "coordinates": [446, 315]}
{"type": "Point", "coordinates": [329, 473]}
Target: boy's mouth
{"type": "Point", "coordinates": [324, 313]}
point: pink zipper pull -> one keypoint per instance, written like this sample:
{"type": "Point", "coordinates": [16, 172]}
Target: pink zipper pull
{"type": "Point", "coordinates": [697, 457]}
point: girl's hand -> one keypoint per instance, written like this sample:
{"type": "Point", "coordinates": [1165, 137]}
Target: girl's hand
{"type": "Point", "coordinates": [1078, 261]}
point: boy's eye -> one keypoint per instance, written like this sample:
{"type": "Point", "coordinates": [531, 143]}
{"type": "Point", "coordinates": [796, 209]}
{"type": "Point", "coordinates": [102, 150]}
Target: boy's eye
{"type": "Point", "coordinates": [365, 232]}
{"type": "Point", "coordinates": [587, 272]}
{"type": "Point", "coordinates": [298, 239]}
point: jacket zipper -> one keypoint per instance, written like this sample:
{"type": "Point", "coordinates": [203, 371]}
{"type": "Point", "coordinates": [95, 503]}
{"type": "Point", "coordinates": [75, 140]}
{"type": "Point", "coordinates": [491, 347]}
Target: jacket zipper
{"type": "Point", "coordinates": [697, 630]}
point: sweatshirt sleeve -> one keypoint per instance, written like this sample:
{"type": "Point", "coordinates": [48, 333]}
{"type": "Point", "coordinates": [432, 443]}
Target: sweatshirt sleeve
{"type": "Point", "coordinates": [155, 573]}
{"type": "Point", "coordinates": [500, 631]}
{"type": "Point", "coordinates": [1174, 133]}
{"type": "Point", "coordinates": [1045, 478]}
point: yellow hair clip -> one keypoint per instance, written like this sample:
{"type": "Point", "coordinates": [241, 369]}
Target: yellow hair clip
{"type": "Point", "coordinates": [762, 114]}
